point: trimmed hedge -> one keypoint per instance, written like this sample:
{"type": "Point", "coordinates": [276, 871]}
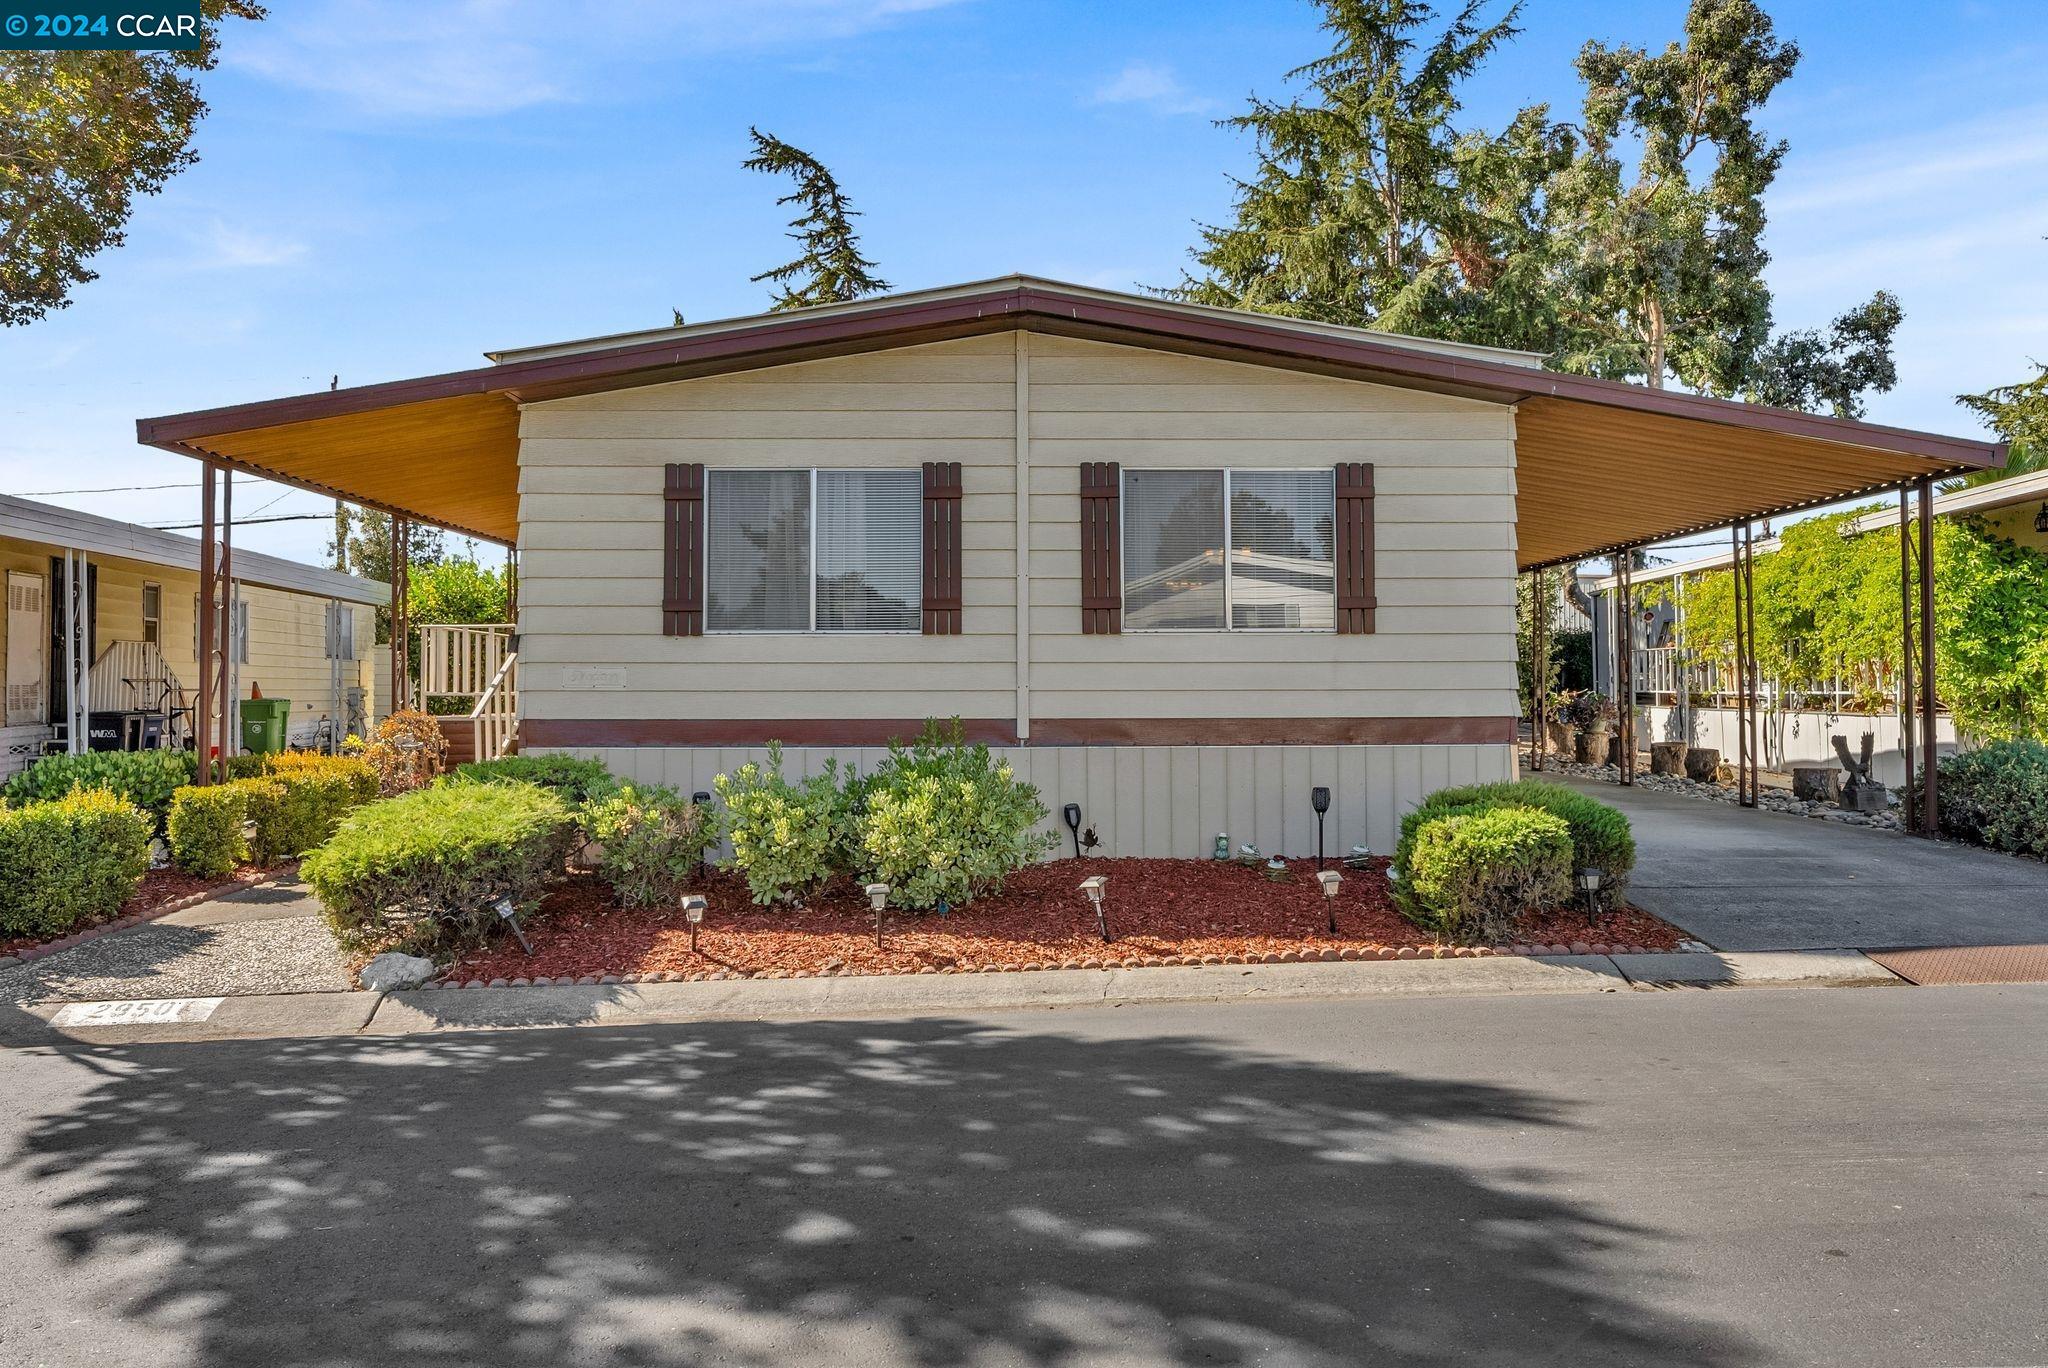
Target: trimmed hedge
{"type": "Point", "coordinates": [578, 781]}
{"type": "Point", "coordinates": [1473, 870]}
{"type": "Point", "coordinates": [356, 773]}
{"type": "Point", "coordinates": [75, 859]}
{"type": "Point", "coordinates": [653, 842]}
{"type": "Point", "coordinates": [145, 778]}
{"type": "Point", "coordinates": [1601, 838]}
{"type": "Point", "coordinates": [1997, 796]}
{"type": "Point", "coordinates": [420, 871]}
{"type": "Point", "coordinates": [205, 829]}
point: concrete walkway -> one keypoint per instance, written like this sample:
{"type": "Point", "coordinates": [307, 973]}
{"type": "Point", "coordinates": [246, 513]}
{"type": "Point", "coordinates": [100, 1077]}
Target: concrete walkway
{"type": "Point", "coordinates": [1747, 880]}
{"type": "Point", "coordinates": [267, 939]}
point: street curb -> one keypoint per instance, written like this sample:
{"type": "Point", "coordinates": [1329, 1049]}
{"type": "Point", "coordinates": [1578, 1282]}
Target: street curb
{"type": "Point", "coordinates": [120, 924]}
{"type": "Point", "coordinates": [1307, 955]}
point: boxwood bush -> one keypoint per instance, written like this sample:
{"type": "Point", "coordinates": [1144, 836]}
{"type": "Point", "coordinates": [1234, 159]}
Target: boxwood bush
{"type": "Point", "coordinates": [1470, 871]}
{"type": "Point", "coordinates": [74, 859]}
{"type": "Point", "coordinates": [145, 778]}
{"type": "Point", "coordinates": [578, 781]}
{"type": "Point", "coordinates": [205, 829]}
{"type": "Point", "coordinates": [653, 842]}
{"type": "Point", "coordinates": [1601, 838]}
{"type": "Point", "coordinates": [420, 871]}
{"type": "Point", "coordinates": [943, 822]}
{"type": "Point", "coordinates": [1997, 796]}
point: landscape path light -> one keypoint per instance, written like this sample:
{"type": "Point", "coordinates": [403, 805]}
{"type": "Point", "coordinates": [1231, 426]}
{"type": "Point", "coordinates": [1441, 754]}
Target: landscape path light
{"type": "Point", "coordinates": [1319, 799]}
{"type": "Point", "coordinates": [878, 898]}
{"type": "Point", "coordinates": [1093, 886]}
{"type": "Point", "coordinates": [509, 914]}
{"type": "Point", "coordinates": [1590, 880]}
{"type": "Point", "coordinates": [1330, 879]}
{"type": "Point", "coordinates": [693, 913]}
{"type": "Point", "coordinates": [1072, 813]}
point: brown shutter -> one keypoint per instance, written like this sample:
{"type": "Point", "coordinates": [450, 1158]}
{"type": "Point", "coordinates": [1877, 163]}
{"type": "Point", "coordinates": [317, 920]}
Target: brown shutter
{"type": "Point", "coordinates": [942, 491]}
{"type": "Point", "coordinates": [1356, 598]}
{"type": "Point", "coordinates": [682, 549]}
{"type": "Point", "coordinates": [1102, 560]}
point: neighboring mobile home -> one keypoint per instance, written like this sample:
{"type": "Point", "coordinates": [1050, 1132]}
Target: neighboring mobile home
{"type": "Point", "coordinates": [1182, 565]}
{"type": "Point", "coordinates": [302, 633]}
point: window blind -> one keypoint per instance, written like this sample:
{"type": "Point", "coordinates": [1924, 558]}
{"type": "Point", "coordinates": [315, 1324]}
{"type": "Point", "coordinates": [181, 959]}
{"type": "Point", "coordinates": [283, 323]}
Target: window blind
{"type": "Point", "coordinates": [1173, 549]}
{"type": "Point", "coordinates": [1282, 554]}
{"type": "Point", "coordinates": [869, 548]}
{"type": "Point", "coordinates": [758, 559]}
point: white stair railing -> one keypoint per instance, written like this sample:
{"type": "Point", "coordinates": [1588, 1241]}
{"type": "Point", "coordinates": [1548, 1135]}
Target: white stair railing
{"type": "Point", "coordinates": [495, 718]}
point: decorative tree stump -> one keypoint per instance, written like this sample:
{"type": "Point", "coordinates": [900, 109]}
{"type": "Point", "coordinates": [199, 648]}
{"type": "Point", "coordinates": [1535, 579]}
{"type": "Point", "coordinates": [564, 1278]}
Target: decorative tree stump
{"type": "Point", "coordinates": [1592, 747]}
{"type": "Point", "coordinates": [1702, 764]}
{"type": "Point", "coordinates": [1817, 783]}
{"type": "Point", "coordinates": [1667, 757]}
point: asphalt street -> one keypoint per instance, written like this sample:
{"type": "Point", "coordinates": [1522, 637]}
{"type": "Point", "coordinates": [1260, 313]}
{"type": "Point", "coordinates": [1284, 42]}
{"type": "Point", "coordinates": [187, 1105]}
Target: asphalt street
{"type": "Point", "coordinates": [1800, 1176]}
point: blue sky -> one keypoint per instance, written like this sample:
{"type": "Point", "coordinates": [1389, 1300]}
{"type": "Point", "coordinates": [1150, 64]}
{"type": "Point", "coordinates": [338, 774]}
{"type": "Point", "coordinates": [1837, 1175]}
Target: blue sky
{"type": "Point", "coordinates": [389, 187]}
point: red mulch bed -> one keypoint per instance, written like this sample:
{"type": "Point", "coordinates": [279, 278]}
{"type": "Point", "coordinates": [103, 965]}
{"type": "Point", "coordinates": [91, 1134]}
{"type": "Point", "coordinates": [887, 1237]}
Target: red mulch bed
{"type": "Point", "coordinates": [1182, 911]}
{"type": "Point", "coordinates": [159, 888]}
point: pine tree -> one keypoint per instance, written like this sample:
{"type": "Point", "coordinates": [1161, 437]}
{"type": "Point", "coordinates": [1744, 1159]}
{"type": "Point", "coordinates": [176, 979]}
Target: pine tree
{"type": "Point", "coordinates": [1369, 207]}
{"type": "Point", "coordinates": [830, 268]}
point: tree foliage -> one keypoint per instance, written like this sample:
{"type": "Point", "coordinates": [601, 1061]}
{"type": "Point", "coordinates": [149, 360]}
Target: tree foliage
{"type": "Point", "coordinates": [82, 134]}
{"type": "Point", "coordinates": [458, 589]}
{"type": "Point", "coordinates": [1370, 207]}
{"type": "Point", "coordinates": [2019, 415]}
{"type": "Point", "coordinates": [830, 268]}
{"type": "Point", "coordinates": [1828, 605]}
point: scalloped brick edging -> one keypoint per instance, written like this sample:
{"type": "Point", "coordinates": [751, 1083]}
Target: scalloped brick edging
{"type": "Point", "coordinates": [1306, 956]}
{"type": "Point", "coordinates": [129, 923]}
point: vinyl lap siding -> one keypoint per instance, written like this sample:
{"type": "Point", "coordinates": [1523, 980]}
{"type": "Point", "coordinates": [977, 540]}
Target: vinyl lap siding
{"type": "Point", "coordinates": [591, 538]}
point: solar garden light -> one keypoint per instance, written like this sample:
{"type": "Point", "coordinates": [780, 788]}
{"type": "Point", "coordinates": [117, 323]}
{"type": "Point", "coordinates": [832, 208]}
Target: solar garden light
{"type": "Point", "coordinates": [1319, 799]}
{"type": "Point", "coordinates": [509, 914]}
{"type": "Point", "coordinates": [1093, 886]}
{"type": "Point", "coordinates": [878, 898]}
{"type": "Point", "coordinates": [693, 913]}
{"type": "Point", "coordinates": [1072, 812]}
{"type": "Point", "coordinates": [1330, 879]}
{"type": "Point", "coordinates": [1590, 880]}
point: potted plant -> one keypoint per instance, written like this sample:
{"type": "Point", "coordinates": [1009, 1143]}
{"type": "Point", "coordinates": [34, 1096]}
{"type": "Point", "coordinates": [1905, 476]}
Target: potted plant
{"type": "Point", "coordinates": [1594, 714]}
{"type": "Point", "coordinates": [1560, 733]}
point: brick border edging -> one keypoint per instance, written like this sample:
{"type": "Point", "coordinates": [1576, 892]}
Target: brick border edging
{"type": "Point", "coordinates": [1349, 954]}
{"type": "Point", "coordinates": [119, 924]}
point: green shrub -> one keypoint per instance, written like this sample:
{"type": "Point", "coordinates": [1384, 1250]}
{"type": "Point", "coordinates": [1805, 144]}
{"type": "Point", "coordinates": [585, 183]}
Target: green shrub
{"type": "Point", "coordinates": [1470, 872]}
{"type": "Point", "coordinates": [422, 870]}
{"type": "Point", "coordinates": [578, 781]}
{"type": "Point", "coordinates": [942, 822]}
{"type": "Point", "coordinates": [1601, 838]}
{"type": "Point", "coordinates": [357, 773]}
{"type": "Point", "coordinates": [296, 810]}
{"type": "Point", "coordinates": [145, 778]}
{"type": "Point", "coordinates": [787, 838]}
{"type": "Point", "coordinates": [71, 860]}
{"type": "Point", "coordinates": [205, 829]}
{"type": "Point", "coordinates": [1997, 796]}
{"type": "Point", "coordinates": [653, 839]}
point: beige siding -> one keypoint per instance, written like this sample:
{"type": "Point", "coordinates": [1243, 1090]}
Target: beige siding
{"type": "Point", "coordinates": [1168, 800]}
{"type": "Point", "coordinates": [590, 537]}
{"type": "Point", "coordinates": [287, 631]}
{"type": "Point", "coordinates": [591, 475]}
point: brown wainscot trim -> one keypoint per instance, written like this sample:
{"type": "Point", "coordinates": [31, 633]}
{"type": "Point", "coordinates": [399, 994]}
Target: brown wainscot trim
{"type": "Point", "coordinates": [543, 733]}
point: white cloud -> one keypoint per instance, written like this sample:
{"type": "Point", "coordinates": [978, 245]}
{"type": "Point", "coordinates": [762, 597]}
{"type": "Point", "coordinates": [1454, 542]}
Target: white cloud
{"type": "Point", "coordinates": [222, 246]}
{"type": "Point", "coordinates": [485, 57]}
{"type": "Point", "coordinates": [1912, 166]}
{"type": "Point", "coordinates": [1154, 85]}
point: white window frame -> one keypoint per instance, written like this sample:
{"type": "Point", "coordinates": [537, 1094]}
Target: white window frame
{"type": "Point", "coordinates": [810, 553]}
{"type": "Point", "coordinates": [1229, 602]}
{"type": "Point", "coordinates": [153, 623]}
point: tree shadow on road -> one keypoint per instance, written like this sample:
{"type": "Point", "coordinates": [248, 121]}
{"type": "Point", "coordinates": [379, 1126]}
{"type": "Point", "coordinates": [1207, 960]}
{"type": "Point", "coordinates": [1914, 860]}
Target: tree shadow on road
{"type": "Point", "coordinates": [929, 1193]}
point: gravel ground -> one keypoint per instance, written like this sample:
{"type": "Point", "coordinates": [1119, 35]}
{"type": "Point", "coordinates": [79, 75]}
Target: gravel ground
{"type": "Point", "coordinates": [280, 955]}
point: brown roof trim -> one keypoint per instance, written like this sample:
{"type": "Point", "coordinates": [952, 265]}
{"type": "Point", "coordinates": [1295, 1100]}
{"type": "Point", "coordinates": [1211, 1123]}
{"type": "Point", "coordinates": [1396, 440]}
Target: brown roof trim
{"type": "Point", "coordinates": [777, 340]}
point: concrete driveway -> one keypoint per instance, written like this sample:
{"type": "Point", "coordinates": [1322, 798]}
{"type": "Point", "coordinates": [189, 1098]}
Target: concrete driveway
{"type": "Point", "coordinates": [1748, 880]}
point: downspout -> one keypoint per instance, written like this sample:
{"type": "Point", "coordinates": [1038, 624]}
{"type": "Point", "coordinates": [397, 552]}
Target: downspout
{"type": "Point", "coordinates": [1022, 499]}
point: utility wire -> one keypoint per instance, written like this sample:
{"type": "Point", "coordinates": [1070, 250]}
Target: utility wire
{"type": "Point", "coordinates": [128, 489]}
{"type": "Point", "coordinates": [240, 522]}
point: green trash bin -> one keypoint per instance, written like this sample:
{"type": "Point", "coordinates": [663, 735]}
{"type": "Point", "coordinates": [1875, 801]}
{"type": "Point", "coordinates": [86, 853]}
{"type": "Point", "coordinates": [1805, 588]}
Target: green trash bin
{"type": "Point", "coordinates": [263, 724]}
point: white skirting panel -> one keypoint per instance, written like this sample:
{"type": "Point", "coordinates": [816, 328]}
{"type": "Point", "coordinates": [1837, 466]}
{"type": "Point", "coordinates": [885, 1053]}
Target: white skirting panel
{"type": "Point", "coordinates": [1165, 800]}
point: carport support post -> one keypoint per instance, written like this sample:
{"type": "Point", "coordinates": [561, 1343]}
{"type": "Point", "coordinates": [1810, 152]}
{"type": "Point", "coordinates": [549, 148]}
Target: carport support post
{"type": "Point", "coordinates": [1930, 811]}
{"type": "Point", "coordinates": [1908, 713]}
{"type": "Point", "coordinates": [202, 713]}
{"type": "Point", "coordinates": [1745, 646]}
{"type": "Point", "coordinates": [224, 633]}
{"type": "Point", "coordinates": [401, 627]}
{"type": "Point", "coordinates": [1625, 659]}
{"type": "Point", "coordinates": [1539, 670]}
